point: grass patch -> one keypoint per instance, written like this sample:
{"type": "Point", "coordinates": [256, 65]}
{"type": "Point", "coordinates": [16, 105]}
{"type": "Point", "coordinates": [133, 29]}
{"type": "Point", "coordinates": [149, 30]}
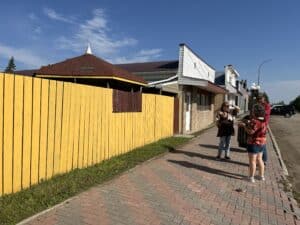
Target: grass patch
{"type": "Point", "coordinates": [16, 207]}
{"type": "Point", "coordinates": [288, 187]}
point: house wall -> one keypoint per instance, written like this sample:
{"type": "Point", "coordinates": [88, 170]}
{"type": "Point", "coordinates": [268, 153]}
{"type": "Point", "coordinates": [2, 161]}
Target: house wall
{"type": "Point", "coordinates": [50, 127]}
{"type": "Point", "coordinates": [195, 67]}
{"type": "Point", "coordinates": [230, 76]}
{"type": "Point", "coordinates": [201, 116]}
{"type": "Point", "coordinates": [218, 101]}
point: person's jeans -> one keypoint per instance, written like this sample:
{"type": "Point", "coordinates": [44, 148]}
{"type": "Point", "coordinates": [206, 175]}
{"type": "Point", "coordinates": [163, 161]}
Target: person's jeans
{"type": "Point", "coordinates": [224, 145]}
{"type": "Point", "coordinates": [265, 155]}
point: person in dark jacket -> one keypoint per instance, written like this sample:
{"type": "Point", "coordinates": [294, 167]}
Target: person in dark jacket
{"type": "Point", "coordinates": [225, 130]}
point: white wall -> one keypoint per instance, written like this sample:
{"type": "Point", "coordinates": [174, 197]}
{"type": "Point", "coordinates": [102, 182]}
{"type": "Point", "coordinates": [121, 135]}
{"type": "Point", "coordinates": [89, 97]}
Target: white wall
{"type": "Point", "coordinates": [231, 76]}
{"type": "Point", "coordinates": [194, 67]}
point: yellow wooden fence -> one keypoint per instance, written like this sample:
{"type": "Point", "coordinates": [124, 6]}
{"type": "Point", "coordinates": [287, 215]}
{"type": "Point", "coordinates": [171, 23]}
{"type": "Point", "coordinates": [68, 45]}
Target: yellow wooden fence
{"type": "Point", "coordinates": [50, 127]}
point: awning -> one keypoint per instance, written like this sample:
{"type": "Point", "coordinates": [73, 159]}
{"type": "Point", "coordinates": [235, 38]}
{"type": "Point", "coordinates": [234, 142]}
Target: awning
{"type": "Point", "coordinates": [203, 84]}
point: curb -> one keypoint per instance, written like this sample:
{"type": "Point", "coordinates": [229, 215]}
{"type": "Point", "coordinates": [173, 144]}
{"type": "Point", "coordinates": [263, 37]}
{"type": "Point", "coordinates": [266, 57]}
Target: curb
{"type": "Point", "coordinates": [277, 149]}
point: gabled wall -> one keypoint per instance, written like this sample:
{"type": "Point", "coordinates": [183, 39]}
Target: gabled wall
{"type": "Point", "coordinates": [231, 75]}
{"type": "Point", "coordinates": [193, 66]}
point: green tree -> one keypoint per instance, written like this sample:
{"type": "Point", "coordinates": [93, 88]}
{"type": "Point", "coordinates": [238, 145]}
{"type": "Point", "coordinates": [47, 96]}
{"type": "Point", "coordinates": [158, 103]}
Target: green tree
{"type": "Point", "coordinates": [296, 103]}
{"type": "Point", "coordinates": [11, 67]}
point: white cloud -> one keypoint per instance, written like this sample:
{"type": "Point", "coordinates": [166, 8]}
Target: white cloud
{"type": "Point", "coordinates": [96, 32]}
{"type": "Point", "coordinates": [286, 90]}
{"type": "Point", "coordinates": [24, 56]}
{"type": "Point", "coordinates": [141, 56]}
{"type": "Point", "coordinates": [55, 16]}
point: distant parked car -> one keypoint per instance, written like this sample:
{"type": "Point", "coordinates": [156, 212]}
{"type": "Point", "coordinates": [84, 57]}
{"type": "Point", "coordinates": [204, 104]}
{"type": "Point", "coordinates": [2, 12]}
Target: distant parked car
{"type": "Point", "coordinates": [284, 110]}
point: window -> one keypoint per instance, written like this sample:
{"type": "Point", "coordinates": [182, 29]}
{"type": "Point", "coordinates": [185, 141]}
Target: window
{"type": "Point", "coordinates": [203, 102]}
{"type": "Point", "coordinates": [124, 101]}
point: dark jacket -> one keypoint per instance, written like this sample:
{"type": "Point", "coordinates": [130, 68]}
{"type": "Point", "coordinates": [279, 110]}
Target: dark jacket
{"type": "Point", "coordinates": [225, 127]}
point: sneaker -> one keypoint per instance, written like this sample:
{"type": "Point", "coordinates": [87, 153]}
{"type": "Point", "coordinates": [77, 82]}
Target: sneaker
{"type": "Point", "coordinates": [262, 178]}
{"type": "Point", "coordinates": [227, 157]}
{"type": "Point", "coordinates": [251, 179]}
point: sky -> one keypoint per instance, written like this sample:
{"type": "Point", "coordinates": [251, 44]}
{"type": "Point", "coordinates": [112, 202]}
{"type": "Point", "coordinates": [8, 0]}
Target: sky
{"type": "Point", "coordinates": [241, 33]}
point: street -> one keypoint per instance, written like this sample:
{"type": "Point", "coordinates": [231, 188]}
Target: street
{"type": "Point", "coordinates": [286, 132]}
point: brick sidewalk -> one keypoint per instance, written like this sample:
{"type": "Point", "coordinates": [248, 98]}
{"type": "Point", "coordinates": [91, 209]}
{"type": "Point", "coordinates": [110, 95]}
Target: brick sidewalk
{"type": "Point", "coordinates": [186, 186]}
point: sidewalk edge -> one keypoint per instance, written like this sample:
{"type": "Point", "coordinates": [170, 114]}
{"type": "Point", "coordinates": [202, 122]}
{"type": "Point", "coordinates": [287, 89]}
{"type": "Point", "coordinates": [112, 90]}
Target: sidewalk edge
{"type": "Point", "coordinates": [278, 152]}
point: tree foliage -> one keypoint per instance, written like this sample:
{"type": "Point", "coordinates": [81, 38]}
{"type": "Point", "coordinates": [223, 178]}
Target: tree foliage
{"type": "Point", "coordinates": [296, 103]}
{"type": "Point", "coordinates": [11, 67]}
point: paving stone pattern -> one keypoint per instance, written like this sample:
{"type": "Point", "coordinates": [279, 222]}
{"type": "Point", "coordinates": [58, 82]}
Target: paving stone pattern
{"type": "Point", "coordinates": [185, 187]}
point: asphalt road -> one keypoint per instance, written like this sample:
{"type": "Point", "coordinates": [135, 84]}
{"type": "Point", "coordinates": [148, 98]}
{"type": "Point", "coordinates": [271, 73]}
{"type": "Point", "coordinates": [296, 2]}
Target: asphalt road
{"type": "Point", "coordinates": [287, 134]}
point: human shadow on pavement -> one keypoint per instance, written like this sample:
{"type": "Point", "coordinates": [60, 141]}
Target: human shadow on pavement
{"type": "Point", "coordinates": [202, 156]}
{"type": "Point", "coordinates": [216, 147]}
{"type": "Point", "coordinates": [208, 169]}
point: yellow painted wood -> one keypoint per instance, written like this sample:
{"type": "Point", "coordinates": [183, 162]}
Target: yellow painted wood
{"type": "Point", "coordinates": [18, 134]}
{"type": "Point", "coordinates": [122, 130]}
{"type": "Point", "coordinates": [64, 134]}
{"type": "Point", "coordinates": [27, 128]}
{"type": "Point", "coordinates": [104, 125]}
{"type": "Point", "coordinates": [90, 128]}
{"type": "Point", "coordinates": [94, 127]}
{"type": "Point", "coordinates": [81, 127]}
{"type": "Point", "coordinates": [100, 125]}
{"type": "Point", "coordinates": [71, 128]}
{"type": "Point", "coordinates": [108, 122]}
{"type": "Point", "coordinates": [51, 128]}
{"type": "Point", "coordinates": [98, 115]}
{"type": "Point", "coordinates": [58, 128]}
{"type": "Point", "coordinates": [86, 128]}
{"type": "Point", "coordinates": [1, 130]}
{"type": "Point", "coordinates": [8, 134]}
{"type": "Point", "coordinates": [35, 137]}
{"type": "Point", "coordinates": [44, 129]}
{"type": "Point", "coordinates": [76, 126]}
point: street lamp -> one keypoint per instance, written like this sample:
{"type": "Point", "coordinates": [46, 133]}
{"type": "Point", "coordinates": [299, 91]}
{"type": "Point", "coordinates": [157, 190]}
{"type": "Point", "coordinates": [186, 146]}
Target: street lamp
{"type": "Point", "coordinates": [260, 65]}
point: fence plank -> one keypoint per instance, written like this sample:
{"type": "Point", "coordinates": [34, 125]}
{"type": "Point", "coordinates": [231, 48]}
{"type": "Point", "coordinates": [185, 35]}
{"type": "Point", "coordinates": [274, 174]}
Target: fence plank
{"type": "Point", "coordinates": [58, 127]}
{"type": "Point", "coordinates": [76, 127]}
{"type": "Point", "coordinates": [36, 126]}
{"type": "Point", "coordinates": [8, 134]}
{"type": "Point", "coordinates": [81, 128]}
{"type": "Point", "coordinates": [94, 127]}
{"type": "Point", "coordinates": [65, 128]}
{"type": "Point", "coordinates": [51, 128]}
{"type": "Point", "coordinates": [27, 129]}
{"type": "Point", "coordinates": [44, 129]}
{"type": "Point", "coordinates": [18, 134]}
{"type": "Point", "coordinates": [71, 128]}
{"type": "Point", "coordinates": [86, 128]}
{"type": "Point", "coordinates": [1, 130]}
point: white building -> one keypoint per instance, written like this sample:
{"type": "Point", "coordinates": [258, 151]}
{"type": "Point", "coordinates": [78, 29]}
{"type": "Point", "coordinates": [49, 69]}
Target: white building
{"type": "Point", "coordinates": [237, 90]}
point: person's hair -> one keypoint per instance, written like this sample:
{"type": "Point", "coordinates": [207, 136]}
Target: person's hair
{"type": "Point", "coordinates": [223, 105]}
{"type": "Point", "coordinates": [258, 110]}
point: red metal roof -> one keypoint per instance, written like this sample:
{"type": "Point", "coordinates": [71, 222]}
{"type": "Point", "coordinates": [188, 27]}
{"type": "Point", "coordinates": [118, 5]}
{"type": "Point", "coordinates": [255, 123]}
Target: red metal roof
{"type": "Point", "coordinates": [87, 65]}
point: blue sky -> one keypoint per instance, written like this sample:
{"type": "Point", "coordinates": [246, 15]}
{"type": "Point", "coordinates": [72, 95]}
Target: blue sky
{"type": "Point", "coordinates": [242, 33]}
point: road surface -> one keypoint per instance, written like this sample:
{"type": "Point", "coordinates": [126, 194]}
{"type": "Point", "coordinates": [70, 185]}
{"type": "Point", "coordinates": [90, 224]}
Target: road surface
{"type": "Point", "coordinates": [287, 134]}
